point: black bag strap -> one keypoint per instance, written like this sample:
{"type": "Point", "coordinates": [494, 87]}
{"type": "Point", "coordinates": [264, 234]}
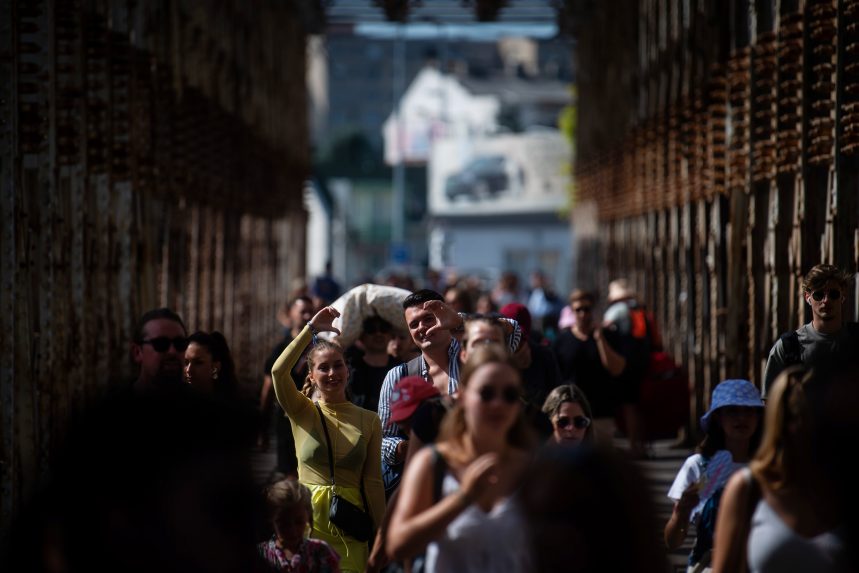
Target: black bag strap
{"type": "Point", "coordinates": [439, 467]}
{"type": "Point", "coordinates": [792, 348]}
{"type": "Point", "coordinates": [331, 457]}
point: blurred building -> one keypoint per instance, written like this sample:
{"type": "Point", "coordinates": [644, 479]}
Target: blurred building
{"type": "Point", "coordinates": [361, 83]}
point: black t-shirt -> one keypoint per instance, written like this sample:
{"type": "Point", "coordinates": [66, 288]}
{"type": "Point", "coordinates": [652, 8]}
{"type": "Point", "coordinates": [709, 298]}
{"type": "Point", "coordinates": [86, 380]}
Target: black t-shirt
{"type": "Point", "coordinates": [365, 381]}
{"type": "Point", "coordinates": [299, 372]}
{"type": "Point", "coordinates": [427, 419]}
{"type": "Point", "coordinates": [541, 376]}
{"type": "Point", "coordinates": [580, 363]}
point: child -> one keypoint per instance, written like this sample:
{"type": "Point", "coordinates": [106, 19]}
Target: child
{"type": "Point", "coordinates": [732, 433]}
{"type": "Point", "coordinates": [289, 549]}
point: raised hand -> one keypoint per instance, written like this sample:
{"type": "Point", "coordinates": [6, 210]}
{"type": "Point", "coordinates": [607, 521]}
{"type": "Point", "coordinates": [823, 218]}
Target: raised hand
{"type": "Point", "coordinates": [446, 318]}
{"type": "Point", "coordinates": [324, 319]}
{"type": "Point", "coordinates": [480, 476]}
{"type": "Point", "coordinates": [688, 500]}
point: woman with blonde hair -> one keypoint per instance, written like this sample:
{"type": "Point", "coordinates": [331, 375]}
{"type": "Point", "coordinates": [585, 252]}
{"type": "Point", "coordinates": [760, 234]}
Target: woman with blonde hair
{"type": "Point", "coordinates": [780, 513]}
{"type": "Point", "coordinates": [456, 500]}
{"type": "Point", "coordinates": [338, 444]}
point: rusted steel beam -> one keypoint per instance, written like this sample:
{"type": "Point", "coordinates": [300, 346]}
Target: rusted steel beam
{"type": "Point", "coordinates": [118, 120]}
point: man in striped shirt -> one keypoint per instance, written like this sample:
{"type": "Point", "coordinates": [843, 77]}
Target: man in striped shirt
{"type": "Point", "coordinates": [430, 321]}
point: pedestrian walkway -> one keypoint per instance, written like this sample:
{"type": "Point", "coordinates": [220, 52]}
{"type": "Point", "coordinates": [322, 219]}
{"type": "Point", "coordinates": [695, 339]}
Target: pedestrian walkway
{"type": "Point", "coordinates": [659, 471]}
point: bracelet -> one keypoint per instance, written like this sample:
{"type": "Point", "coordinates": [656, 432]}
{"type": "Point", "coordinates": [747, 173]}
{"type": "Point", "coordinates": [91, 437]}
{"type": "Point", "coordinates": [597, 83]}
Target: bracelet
{"type": "Point", "coordinates": [313, 331]}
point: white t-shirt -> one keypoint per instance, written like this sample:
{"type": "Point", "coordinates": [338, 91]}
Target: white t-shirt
{"type": "Point", "coordinates": [690, 473]}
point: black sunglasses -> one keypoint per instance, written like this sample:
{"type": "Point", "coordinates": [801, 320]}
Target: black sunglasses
{"type": "Point", "coordinates": [582, 309]}
{"type": "Point", "coordinates": [580, 422]}
{"type": "Point", "coordinates": [162, 343]}
{"type": "Point", "coordinates": [376, 330]}
{"type": "Point", "coordinates": [509, 394]}
{"type": "Point", "coordinates": [833, 294]}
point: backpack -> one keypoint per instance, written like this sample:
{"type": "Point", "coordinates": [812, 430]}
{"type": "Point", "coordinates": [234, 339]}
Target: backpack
{"type": "Point", "coordinates": [793, 349]}
{"type": "Point", "coordinates": [664, 395]}
{"type": "Point", "coordinates": [663, 400]}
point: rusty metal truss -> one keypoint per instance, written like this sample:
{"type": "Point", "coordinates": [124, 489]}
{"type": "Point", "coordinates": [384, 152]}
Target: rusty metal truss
{"type": "Point", "coordinates": [151, 154]}
{"type": "Point", "coordinates": [730, 159]}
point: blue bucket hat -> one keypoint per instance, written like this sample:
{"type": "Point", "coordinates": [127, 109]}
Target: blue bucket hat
{"type": "Point", "coordinates": [732, 393]}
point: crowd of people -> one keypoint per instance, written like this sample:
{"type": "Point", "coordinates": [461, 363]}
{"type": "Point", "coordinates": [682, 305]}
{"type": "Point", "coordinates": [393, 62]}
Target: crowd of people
{"type": "Point", "coordinates": [443, 438]}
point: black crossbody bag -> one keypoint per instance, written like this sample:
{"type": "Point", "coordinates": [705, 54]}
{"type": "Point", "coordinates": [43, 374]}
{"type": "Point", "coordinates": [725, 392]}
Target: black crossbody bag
{"type": "Point", "coordinates": [343, 513]}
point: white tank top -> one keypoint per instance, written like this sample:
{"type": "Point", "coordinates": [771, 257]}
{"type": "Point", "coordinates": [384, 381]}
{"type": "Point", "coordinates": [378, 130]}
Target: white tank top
{"type": "Point", "coordinates": [776, 548]}
{"type": "Point", "coordinates": [477, 541]}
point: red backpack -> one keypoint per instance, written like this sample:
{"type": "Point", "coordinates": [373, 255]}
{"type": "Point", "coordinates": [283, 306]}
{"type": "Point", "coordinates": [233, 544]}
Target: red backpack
{"type": "Point", "coordinates": [664, 395]}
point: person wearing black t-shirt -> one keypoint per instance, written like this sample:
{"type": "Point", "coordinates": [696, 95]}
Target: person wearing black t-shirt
{"type": "Point", "coordinates": [300, 310]}
{"type": "Point", "coordinates": [370, 363]}
{"type": "Point", "coordinates": [587, 356]}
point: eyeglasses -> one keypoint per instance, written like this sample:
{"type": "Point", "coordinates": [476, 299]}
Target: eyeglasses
{"type": "Point", "coordinates": [162, 343]}
{"type": "Point", "coordinates": [509, 394]}
{"type": "Point", "coordinates": [582, 309]}
{"type": "Point", "coordinates": [580, 422]}
{"type": "Point", "coordinates": [832, 294]}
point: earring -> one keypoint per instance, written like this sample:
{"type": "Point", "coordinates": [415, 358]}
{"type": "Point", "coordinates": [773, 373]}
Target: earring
{"type": "Point", "coordinates": [214, 373]}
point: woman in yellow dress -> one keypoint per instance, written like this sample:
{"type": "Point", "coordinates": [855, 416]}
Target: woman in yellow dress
{"type": "Point", "coordinates": [355, 433]}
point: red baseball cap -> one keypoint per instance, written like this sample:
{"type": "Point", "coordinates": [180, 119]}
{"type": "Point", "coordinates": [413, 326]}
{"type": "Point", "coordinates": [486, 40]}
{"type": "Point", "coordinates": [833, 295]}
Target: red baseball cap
{"type": "Point", "coordinates": [518, 312]}
{"type": "Point", "coordinates": [407, 395]}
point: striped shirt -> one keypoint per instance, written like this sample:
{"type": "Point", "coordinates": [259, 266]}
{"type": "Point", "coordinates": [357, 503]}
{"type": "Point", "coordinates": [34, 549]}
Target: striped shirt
{"type": "Point", "coordinates": [391, 433]}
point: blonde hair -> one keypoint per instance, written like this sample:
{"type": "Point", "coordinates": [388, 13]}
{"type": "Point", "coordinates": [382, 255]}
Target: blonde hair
{"type": "Point", "coordinates": [784, 457]}
{"type": "Point", "coordinates": [309, 387]}
{"type": "Point", "coordinates": [284, 496]}
{"type": "Point", "coordinates": [454, 427]}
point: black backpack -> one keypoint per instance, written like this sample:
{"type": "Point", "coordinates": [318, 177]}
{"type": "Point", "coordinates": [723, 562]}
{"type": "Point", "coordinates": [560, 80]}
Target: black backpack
{"type": "Point", "coordinates": [793, 349]}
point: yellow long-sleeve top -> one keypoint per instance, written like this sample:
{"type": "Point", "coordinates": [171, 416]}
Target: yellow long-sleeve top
{"type": "Point", "coordinates": [356, 435]}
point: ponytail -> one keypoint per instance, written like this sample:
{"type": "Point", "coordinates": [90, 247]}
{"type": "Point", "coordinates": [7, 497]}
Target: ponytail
{"type": "Point", "coordinates": [309, 387]}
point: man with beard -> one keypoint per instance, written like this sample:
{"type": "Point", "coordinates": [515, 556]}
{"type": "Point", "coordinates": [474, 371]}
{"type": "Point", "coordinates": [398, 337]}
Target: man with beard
{"type": "Point", "coordinates": [159, 347]}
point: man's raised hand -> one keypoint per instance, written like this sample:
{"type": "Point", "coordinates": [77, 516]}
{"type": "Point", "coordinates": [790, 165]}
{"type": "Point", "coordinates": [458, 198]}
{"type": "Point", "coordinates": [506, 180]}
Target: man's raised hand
{"type": "Point", "coordinates": [446, 318]}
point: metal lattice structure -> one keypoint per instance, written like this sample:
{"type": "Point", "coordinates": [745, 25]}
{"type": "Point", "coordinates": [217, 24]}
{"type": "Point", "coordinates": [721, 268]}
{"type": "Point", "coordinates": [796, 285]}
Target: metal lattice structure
{"type": "Point", "coordinates": [722, 163]}
{"type": "Point", "coordinates": [151, 154]}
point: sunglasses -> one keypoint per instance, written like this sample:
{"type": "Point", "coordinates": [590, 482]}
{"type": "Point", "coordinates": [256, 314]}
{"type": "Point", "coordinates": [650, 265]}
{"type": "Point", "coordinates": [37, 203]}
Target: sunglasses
{"type": "Point", "coordinates": [162, 343]}
{"type": "Point", "coordinates": [580, 422]}
{"type": "Point", "coordinates": [376, 330]}
{"type": "Point", "coordinates": [582, 309]}
{"type": "Point", "coordinates": [509, 394]}
{"type": "Point", "coordinates": [832, 294]}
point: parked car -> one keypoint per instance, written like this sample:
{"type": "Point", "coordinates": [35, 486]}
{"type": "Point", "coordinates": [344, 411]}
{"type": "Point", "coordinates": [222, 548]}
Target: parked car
{"type": "Point", "coordinates": [482, 177]}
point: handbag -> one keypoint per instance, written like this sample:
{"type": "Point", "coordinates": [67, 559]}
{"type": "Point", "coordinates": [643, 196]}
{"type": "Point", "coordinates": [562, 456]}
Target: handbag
{"type": "Point", "coordinates": [354, 521]}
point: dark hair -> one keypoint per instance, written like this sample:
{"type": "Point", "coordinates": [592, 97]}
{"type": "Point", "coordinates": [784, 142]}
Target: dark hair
{"type": "Point", "coordinates": [226, 384]}
{"type": "Point", "coordinates": [300, 298]}
{"type": "Point", "coordinates": [714, 438]}
{"type": "Point", "coordinates": [580, 294]}
{"type": "Point", "coordinates": [576, 502]}
{"type": "Point", "coordinates": [155, 314]}
{"type": "Point", "coordinates": [568, 393]}
{"type": "Point", "coordinates": [420, 297]}
{"type": "Point", "coordinates": [819, 275]}
{"type": "Point", "coordinates": [462, 297]}
{"type": "Point", "coordinates": [378, 322]}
